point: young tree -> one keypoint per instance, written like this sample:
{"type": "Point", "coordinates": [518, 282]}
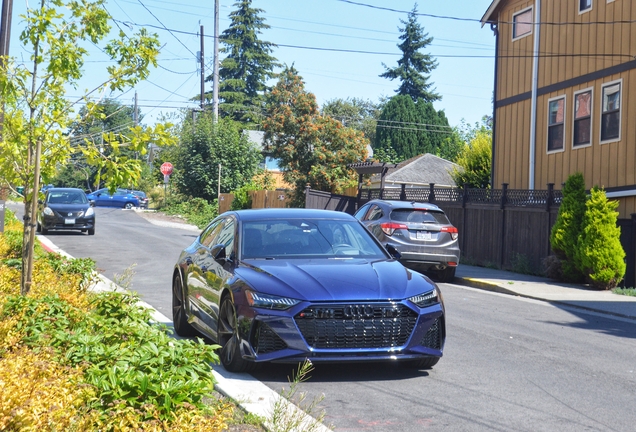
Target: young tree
{"type": "Point", "coordinates": [312, 149]}
{"type": "Point", "coordinates": [564, 236]}
{"type": "Point", "coordinates": [475, 159]}
{"type": "Point", "coordinates": [38, 112]}
{"type": "Point", "coordinates": [414, 68]}
{"type": "Point", "coordinates": [244, 72]}
{"type": "Point", "coordinates": [204, 145]}
{"type": "Point", "coordinates": [599, 251]}
{"type": "Point", "coordinates": [109, 116]}
{"type": "Point", "coordinates": [411, 128]}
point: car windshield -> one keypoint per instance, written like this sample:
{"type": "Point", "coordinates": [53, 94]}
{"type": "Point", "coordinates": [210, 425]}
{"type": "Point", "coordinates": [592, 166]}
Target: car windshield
{"type": "Point", "coordinates": [304, 238]}
{"type": "Point", "coordinates": [419, 216]}
{"type": "Point", "coordinates": [67, 197]}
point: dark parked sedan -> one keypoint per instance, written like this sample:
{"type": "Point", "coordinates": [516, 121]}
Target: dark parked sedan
{"type": "Point", "coordinates": [421, 232]}
{"type": "Point", "coordinates": [285, 285]}
{"type": "Point", "coordinates": [65, 209]}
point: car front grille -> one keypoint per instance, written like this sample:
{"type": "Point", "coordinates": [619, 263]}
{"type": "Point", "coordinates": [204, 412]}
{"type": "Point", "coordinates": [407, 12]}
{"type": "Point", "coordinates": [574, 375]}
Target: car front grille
{"type": "Point", "coordinates": [266, 340]}
{"type": "Point", "coordinates": [434, 335]}
{"type": "Point", "coordinates": [383, 325]}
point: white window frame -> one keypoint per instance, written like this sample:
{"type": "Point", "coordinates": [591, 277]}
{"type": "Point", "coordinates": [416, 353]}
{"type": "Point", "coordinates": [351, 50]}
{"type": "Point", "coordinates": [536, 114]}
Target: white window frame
{"type": "Point", "coordinates": [620, 111]}
{"type": "Point", "coordinates": [582, 11]}
{"type": "Point", "coordinates": [591, 91]}
{"type": "Point", "coordinates": [547, 138]}
{"type": "Point", "coordinates": [514, 15]}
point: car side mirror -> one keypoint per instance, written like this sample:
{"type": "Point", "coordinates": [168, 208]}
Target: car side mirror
{"type": "Point", "coordinates": [91, 203]}
{"type": "Point", "coordinates": [393, 251]}
{"type": "Point", "coordinates": [218, 253]}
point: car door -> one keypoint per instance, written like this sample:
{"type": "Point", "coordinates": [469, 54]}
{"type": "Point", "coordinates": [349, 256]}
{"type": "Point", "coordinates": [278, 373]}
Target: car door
{"type": "Point", "coordinates": [218, 271]}
{"type": "Point", "coordinates": [198, 263]}
{"type": "Point", "coordinates": [372, 220]}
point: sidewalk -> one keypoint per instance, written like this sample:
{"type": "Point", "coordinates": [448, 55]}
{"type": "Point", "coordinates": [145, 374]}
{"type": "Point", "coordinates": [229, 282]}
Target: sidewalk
{"type": "Point", "coordinates": [540, 288]}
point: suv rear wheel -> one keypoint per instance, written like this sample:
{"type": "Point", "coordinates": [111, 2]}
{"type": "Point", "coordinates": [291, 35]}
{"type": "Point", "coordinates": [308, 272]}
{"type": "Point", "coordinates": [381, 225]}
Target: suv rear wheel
{"type": "Point", "coordinates": [447, 275]}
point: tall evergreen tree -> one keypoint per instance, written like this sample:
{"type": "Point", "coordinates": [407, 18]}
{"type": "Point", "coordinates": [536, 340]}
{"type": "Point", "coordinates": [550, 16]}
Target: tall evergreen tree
{"type": "Point", "coordinates": [414, 68]}
{"type": "Point", "coordinates": [244, 72]}
{"type": "Point", "coordinates": [411, 128]}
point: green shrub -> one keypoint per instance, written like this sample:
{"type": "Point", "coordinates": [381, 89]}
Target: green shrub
{"type": "Point", "coordinates": [196, 211]}
{"type": "Point", "coordinates": [565, 232]}
{"type": "Point", "coordinates": [600, 253]}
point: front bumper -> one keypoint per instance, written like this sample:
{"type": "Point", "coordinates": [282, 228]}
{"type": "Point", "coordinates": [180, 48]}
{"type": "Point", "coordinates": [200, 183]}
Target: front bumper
{"type": "Point", "coordinates": [327, 333]}
{"type": "Point", "coordinates": [61, 223]}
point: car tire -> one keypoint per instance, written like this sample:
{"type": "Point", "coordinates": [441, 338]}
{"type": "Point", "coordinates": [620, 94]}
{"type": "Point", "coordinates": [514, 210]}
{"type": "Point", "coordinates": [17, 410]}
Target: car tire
{"type": "Point", "coordinates": [230, 340]}
{"type": "Point", "coordinates": [128, 205]}
{"type": "Point", "coordinates": [447, 275]}
{"type": "Point", "coordinates": [180, 320]}
{"type": "Point", "coordinates": [43, 230]}
{"type": "Point", "coordinates": [91, 231]}
{"type": "Point", "coordinates": [38, 227]}
{"type": "Point", "coordinates": [425, 363]}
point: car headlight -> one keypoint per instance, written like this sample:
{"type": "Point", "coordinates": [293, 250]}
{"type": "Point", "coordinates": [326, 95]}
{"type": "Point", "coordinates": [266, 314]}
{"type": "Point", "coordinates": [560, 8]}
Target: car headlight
{"type": "Point", "coordinates": [267, 301]}
{"type": "Point", "coordinates": [427, 299]}
{"type": "Point", "coordinates": [89, 212]}
{"type": "Point", "coordinates": [47, 211]}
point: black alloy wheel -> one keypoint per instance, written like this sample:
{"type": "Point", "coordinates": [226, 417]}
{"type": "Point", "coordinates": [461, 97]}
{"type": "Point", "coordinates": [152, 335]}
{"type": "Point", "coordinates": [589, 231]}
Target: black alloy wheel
{"type": "Point", "coordinates": [425, 363]}
{"type": "Point", "coordinates": [230, 340]}
{"type": "Point", "coordinates": [180, 320]}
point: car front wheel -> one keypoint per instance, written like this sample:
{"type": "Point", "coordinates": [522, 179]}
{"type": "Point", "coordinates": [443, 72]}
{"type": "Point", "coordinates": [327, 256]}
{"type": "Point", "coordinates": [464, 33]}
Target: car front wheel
{"type": "Point", "coordinates": [425, 363]}
{"type": "Point", "coordinates": [181, 325]}
{"type": "Point", "coordinates": [230, 340]}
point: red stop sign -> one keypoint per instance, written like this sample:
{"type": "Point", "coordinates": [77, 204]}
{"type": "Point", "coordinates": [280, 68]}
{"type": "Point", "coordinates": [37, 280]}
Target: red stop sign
{"type": "Point", "coordinates": [166, 168]}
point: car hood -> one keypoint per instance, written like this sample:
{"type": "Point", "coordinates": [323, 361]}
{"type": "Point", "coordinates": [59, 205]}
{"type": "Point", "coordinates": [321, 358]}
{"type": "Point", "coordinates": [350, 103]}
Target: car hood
{"type": "Point", "coordinates": [334, 280]}
{"type": "Point", "coordinates": [67, 208]}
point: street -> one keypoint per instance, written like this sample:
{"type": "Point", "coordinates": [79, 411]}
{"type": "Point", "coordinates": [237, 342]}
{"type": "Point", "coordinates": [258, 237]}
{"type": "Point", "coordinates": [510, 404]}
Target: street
{"type": "Point", "coordinates": [509, 363]}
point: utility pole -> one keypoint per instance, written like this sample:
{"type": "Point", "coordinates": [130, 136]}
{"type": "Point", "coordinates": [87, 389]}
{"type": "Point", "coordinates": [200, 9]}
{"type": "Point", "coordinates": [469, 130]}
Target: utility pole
{"type": "Point", "coordinates": [215, 80]}
{"type": "Point", "coordinates": [202, 72]}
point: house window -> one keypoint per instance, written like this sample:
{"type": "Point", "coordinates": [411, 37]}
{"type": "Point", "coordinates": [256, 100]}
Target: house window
{"type": "Point", "coordinates": [556, 116]}
{"type": "Point", "coordinates": [522, 24]}
{"type": "Point", "coordinates": [611, 112]}
{"type": "Point", "coordinates": [582, 134]}
{"type": "Point", "coordinates": [585, 5]}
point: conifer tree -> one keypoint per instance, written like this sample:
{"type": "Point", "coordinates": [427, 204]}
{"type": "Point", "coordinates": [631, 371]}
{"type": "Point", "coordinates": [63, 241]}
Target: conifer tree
{"type": "Point", "coordinates": [599, 251]}
{"type": "Point", "coordinates": [414, 68]}
{"type": "Point", "coordinates": [565, 233]}
{"type": "Point", "coordinates": [244, 72]}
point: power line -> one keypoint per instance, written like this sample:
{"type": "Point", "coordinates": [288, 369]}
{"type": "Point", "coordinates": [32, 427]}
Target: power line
{"type": "Point", "coordinates": [169, 31]}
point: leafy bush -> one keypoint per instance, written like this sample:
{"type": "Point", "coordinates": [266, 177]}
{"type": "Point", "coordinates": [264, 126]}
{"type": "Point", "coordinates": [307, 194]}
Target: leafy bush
{"type": "Point", "coordinates": [196, 211]}
{"type": "Point", "coordinates": [565, 233]}
{"type": "Point", "coordinates": [600, 253]}
{"type": "Point", "coordinates": [75, 360]}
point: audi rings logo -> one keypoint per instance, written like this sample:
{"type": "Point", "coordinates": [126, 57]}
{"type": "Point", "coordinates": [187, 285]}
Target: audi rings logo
{"type": "Point", "coordinates": [358, 311]}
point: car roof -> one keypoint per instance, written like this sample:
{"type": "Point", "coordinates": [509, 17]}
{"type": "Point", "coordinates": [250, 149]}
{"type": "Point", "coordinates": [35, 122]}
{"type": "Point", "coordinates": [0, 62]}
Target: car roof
{"type": "Point", "coordinates": [395, 204]}
{"type": "Point", "coordinates": [59, 189]}
{"type": "Point", "coordinates": [289, 213]}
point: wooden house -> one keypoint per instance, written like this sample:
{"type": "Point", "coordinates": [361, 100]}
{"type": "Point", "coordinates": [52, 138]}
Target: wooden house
{"type": "Point", "coordinates": [565, 94]}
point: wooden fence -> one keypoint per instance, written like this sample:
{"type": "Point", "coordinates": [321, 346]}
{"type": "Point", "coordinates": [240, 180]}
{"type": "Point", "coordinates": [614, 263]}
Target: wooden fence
{"type": "Point", "coordinates": [503, 228]}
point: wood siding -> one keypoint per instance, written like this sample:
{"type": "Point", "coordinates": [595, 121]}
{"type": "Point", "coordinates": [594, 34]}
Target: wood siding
{"type": "Point", "coordinates": [577, 51]}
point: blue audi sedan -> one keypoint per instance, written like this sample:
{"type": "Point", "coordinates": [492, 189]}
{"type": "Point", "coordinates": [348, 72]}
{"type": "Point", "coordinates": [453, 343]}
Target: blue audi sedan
{"type": "Point", "coordinates": [285, 285]}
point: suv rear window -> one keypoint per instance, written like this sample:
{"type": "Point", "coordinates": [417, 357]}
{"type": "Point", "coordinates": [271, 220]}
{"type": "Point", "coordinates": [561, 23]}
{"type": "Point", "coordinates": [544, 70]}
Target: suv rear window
{"type": "Point", "coordinates": [419, 216]}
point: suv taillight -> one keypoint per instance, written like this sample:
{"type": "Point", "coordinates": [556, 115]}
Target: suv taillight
{"type": "Point", "coordinates": [390, 227]}
{"type": "Point", "coordinates": [452, 231]}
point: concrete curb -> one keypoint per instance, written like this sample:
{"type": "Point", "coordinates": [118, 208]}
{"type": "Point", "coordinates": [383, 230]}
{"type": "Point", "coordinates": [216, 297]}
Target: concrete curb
{"type": "Point", "coordinates": [489, 286]}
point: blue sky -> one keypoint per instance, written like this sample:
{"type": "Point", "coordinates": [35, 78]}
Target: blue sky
{"type": "Point", "coordinates": [308, 32]}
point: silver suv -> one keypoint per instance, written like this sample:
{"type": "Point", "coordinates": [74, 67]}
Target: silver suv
{"type": "Point", "coordinates": [421, 233]}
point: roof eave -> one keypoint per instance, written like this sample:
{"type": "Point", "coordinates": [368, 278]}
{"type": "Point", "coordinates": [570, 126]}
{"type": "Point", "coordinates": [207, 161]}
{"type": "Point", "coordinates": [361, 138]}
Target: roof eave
{"type": "Point", "coordinates": [487, 18]}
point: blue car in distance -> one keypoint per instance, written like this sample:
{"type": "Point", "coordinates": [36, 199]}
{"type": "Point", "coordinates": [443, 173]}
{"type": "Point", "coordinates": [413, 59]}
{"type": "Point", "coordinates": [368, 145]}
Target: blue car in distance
{"type": "Point", "coordinates": [121, 198]}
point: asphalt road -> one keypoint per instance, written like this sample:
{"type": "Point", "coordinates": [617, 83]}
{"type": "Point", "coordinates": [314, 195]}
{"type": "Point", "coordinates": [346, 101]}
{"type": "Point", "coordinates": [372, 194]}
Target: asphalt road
{"type": "Point", "coordinates": [509, 364]}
